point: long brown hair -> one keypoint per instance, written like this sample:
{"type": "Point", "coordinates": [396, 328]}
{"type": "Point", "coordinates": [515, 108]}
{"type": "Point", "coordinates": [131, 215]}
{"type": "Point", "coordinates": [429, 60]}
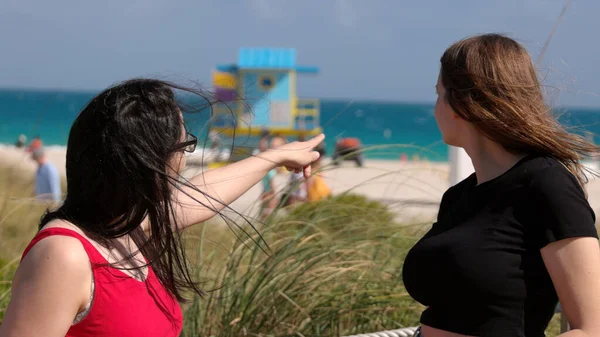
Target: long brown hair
{"type": "Point", "coordinates": [490, 81]}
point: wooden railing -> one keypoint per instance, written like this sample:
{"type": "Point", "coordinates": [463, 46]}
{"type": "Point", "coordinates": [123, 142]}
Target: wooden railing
{"type": "Point", "coordinates": [307, 109]}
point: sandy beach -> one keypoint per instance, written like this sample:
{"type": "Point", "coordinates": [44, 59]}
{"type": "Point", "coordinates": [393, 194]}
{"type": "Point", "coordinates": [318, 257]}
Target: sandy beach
{"type": "Point", "coordinates": [412, 189]}
{"type": "Point", "coordinates": [18, 159]}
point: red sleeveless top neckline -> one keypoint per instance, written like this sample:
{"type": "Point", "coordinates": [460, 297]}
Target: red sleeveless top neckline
{"type": "Point", "coordinates": [121, 305]}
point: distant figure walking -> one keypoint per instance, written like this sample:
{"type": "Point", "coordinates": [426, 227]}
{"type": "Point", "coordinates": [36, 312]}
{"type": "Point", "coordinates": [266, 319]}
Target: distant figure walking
{"type": "Point", "coordinates": [36, 143]}
{"type": "Point", "coordinates": [47, 179]}
{"type": "Point", "coordinates": [21, 141]}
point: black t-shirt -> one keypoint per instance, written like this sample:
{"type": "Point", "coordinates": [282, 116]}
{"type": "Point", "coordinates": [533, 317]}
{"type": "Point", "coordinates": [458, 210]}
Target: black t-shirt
{"type": "Point", "coordinates": [479, 269]}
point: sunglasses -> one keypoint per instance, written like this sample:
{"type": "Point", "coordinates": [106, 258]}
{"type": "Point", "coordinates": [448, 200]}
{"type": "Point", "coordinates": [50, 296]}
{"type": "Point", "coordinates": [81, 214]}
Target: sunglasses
{"type": "Point", "coordinates": [189, 144]}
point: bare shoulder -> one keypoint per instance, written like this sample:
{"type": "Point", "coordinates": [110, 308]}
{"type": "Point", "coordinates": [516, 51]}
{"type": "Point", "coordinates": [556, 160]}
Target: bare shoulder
{"type": "Point", "coordinates": [59, 248]}
{"type": "Point", "coordinates": [56, 253]}
{"type": "Point", "coordinates": [56, 258]}
{"type": "Point", "coordinates": [51, 285]}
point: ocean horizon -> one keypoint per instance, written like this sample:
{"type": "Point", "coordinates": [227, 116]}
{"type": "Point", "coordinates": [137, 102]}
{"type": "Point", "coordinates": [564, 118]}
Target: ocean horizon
{"type": "Point", "coordinates": [388, 129]}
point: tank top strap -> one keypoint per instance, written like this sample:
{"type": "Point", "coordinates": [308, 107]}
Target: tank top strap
{"type": "Point", "coordinates": [93, 253]}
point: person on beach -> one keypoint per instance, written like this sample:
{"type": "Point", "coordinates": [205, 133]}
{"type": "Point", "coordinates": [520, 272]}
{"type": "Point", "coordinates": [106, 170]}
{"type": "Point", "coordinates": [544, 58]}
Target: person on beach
{"type": "Point", "coordinates": [518, 235]}
{"type": "Point", "coordinates": [36, 143]}
{"type": "Point", "coordinates": [47, 179]}
{"type": "Point", "coordinates": [21, 141]}
{"type": "Point", "coordinates": [278, 140]}
{"type": "Point", "coordinates": [109, 261]}
{"type": "Point", "coordinates": [263, 142]}
{"type": "Point", "coordinates": [268, 198]}
{"type": "Point", "coordinates": [316, 186]}
{"type": "Point", "coordinates": [296, 187]}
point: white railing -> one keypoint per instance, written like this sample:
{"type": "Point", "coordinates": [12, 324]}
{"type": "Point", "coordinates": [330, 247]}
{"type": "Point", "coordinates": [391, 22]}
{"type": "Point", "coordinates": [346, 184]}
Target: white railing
{"type": "Point", "coordinates": [410, 331]}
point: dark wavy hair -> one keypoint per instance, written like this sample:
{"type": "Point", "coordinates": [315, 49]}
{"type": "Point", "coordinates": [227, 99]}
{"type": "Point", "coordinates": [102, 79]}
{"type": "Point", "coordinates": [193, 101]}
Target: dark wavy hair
{"type": "Point", "coordinates": [118, 162]}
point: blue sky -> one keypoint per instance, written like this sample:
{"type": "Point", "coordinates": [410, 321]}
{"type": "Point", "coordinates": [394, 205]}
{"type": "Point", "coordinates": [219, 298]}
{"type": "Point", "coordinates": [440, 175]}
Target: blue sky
{"type": "Point", "coordinates": [366, 49]}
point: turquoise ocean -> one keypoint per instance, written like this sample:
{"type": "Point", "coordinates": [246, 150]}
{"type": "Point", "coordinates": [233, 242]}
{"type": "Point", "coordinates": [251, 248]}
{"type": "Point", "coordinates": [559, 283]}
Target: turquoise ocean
{"type": "Point", "coordinates": [388, 129]}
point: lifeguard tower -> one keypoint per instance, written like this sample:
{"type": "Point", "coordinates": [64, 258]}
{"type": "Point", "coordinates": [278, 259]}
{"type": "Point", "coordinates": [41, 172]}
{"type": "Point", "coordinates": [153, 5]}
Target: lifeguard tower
{"type": "Point", "coordinates": [258, 94]}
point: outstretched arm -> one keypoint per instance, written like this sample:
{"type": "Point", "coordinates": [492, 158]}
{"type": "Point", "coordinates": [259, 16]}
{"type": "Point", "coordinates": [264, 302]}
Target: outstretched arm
{"type": "Point", "coordinates": [217, 188]}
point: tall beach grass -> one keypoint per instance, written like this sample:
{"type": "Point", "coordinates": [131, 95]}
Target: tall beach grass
{"type": "Point", "coordinates": [19, 218]}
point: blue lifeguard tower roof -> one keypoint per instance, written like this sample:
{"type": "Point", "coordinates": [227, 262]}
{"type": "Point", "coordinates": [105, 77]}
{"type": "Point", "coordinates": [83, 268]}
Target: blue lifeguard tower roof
{"type": "Point", "coordinates": [267, 58]}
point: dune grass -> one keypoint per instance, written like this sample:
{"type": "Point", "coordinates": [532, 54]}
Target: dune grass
{"type": "Point", "coordinates": [331, 268]}
{"type": "Point", "coordinates": [322, 269]}
{"type": "Point", "coordinates": [19, 217]}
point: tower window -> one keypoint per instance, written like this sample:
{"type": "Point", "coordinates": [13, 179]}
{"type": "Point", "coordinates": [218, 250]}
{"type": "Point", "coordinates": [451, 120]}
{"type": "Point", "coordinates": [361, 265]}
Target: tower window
{"type": "Point", "coordinates": [266, 82]}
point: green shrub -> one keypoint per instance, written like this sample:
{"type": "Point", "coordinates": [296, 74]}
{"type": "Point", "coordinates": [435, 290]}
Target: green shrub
{"type": "Point", "coordinates": [332, 267]}
{"type": "Point", "coordinates": [338, 213]}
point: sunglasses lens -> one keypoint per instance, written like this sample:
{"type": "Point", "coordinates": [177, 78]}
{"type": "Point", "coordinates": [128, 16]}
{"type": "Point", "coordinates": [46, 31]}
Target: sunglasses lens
{"type": "Point", "coordinates": [192, 139]}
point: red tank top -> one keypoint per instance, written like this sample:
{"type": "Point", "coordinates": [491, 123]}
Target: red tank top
{"type": "Point", "coordinates": [122, 305]}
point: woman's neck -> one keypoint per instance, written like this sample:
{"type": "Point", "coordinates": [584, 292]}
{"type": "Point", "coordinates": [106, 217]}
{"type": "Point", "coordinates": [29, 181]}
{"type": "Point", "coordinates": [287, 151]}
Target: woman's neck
{"type": "Point", "coordinates": [490, 159]}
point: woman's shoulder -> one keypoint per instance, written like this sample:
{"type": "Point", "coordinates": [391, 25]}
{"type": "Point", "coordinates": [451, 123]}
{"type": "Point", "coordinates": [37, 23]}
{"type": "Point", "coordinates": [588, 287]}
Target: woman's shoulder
{"type": "Point", "coordinates": [47, 254]}
{"type": "Point", "coordinates": [60, 235]}
{"type": "Point", "coordinates": [558, 202]}
{"type": "Point", "coordinates": [54, 272]}
{"type": "Point", "coordinates": [556, 191]}
{"type": "Point", "coordinates": [461, 186]}
{"type": "Point", "coordinates": [64, 250]}
{"type": "Point", "coordinates": [538, 174]}
{"type": "Point", "coordinates": [547, 175]}
{"type": "Point", "coordinates": [52, 241]}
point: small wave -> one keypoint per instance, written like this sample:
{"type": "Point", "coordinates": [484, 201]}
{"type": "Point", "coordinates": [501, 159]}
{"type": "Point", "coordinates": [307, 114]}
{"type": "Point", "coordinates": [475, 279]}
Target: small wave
{"type": "Point", "coordinates": [420, 120]}
{"type": "Point", "coordinates": [56, 147]}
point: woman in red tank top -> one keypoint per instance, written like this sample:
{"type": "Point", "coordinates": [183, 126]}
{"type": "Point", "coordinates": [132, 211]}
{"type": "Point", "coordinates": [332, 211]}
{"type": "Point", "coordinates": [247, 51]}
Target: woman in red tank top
{"type": "Point", "coordinates": [109, 261]}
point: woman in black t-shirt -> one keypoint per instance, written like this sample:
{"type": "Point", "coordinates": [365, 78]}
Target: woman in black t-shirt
{"type": "Point", "coordinates": [518, 234]}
